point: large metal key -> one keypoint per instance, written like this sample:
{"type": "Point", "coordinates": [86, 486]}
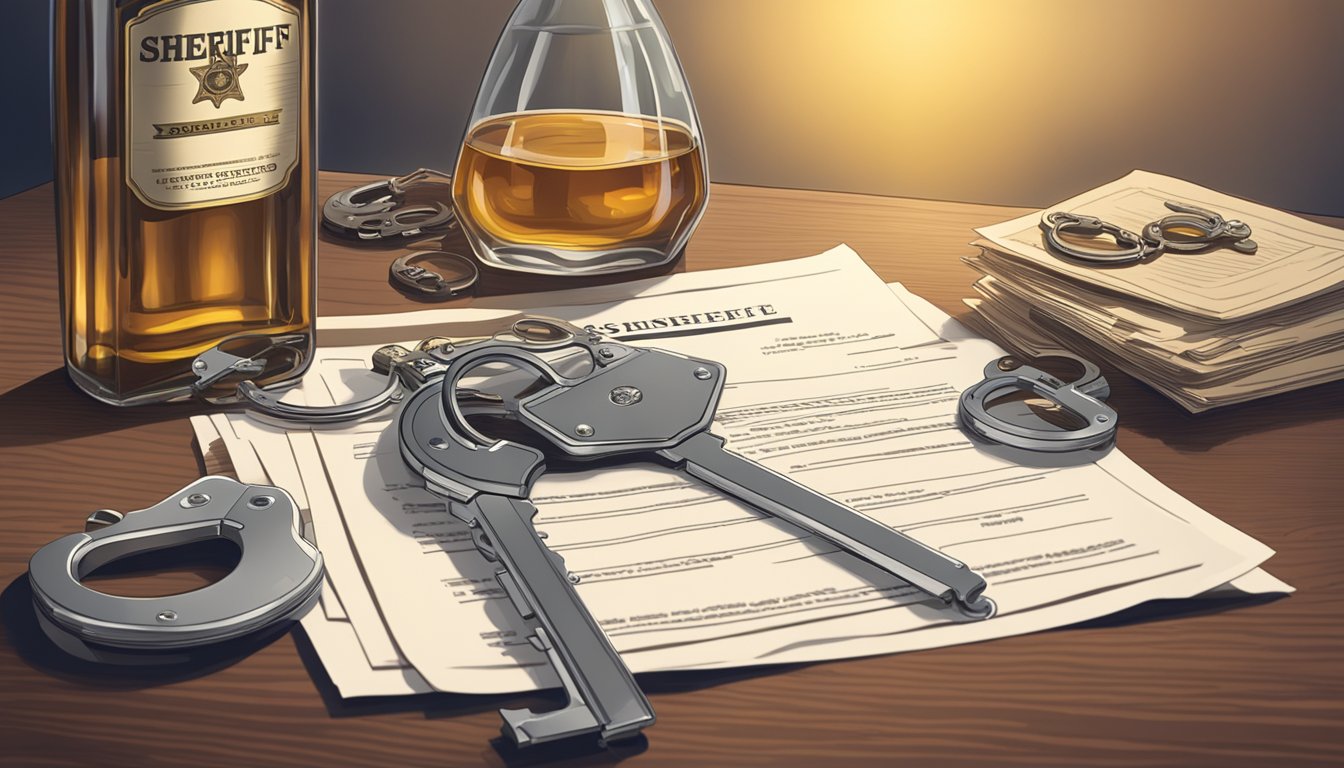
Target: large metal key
{"type": "Point", "coordinates": [630, 401]}
{"type": "Point", "coordinates": [487, 489]}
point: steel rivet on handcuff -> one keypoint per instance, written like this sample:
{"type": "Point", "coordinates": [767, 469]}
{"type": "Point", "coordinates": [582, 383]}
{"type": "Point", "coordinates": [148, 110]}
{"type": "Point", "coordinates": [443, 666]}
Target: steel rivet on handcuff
{"type": "Point", "coordinates": [407, 272]}
{"type": "Point", "coordinates": [374, 211]}
{"type": "Point", "coordinates": [1188, 229]}
{"type": "Point", "coordinates": [1083, 398]}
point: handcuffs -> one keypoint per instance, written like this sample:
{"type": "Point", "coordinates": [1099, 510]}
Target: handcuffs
{"type": "Point", "coordinates": [243, 358]}
{"type": "Point", "coordinates": [374, 211]}
{"type": "Point", "coordinates": [378, 211]}
{"type": "Point", "coordinates": [1082, 398]}
{"type": "Point", "coordinates": [1187, 229]}
{"type": "Point", "coordinates": [408, 272]}
{"type": "Point", "coordinates": [278, 578]}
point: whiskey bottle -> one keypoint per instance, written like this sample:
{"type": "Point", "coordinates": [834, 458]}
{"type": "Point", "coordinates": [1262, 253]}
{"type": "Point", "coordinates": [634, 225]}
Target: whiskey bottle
{"type": "Point", "coordinates": [185, 185]}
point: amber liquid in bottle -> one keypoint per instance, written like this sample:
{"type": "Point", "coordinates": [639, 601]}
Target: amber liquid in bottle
{"type": "Point", "coordinates": [150, 279]}
{"type": "Point", "coordinates": [577, 186]}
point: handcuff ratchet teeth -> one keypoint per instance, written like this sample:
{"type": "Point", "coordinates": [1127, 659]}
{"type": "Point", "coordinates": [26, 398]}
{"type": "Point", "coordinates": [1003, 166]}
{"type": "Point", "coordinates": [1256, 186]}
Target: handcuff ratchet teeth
{"type": "Point", "coordinates": [1188, 229]}
{"type": "Point", "coordinates": [1082, 398]}
{"type": "Point", "coordinates": [278, 577]}
{"type": "Point", "coordinates": [373, 211]}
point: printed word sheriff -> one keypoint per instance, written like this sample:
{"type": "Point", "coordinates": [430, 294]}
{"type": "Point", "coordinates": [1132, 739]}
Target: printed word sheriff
{"type": "Point", "coordinates": [229, 42]}
{"type": "Point", "coordinates": [679, 321]}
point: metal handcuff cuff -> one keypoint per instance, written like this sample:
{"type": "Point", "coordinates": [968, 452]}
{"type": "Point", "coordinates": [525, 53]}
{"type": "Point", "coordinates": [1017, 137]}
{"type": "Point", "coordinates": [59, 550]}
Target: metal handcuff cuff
{"type": "Point", "coordinates": [1187, 229]}
{"type": "Point", "coordinates": [409, 272]}
{"type": "Point", "coordinates": [378, 211]}
{"type": "Point", "coordinates": [278, 578]}
{"type": "Point", "coordinates": [1082, 398]}
{"type": "Point", "coordinates": [279, 575]}
{"type": "Point", "coordinates": [374, 211]}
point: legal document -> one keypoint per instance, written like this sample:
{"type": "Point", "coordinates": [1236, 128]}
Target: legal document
{"type": "Point", "coordinates": [834, 380]}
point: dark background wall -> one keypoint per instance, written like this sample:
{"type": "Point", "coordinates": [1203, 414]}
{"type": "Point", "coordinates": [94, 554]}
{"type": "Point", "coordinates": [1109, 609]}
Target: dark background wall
{"type": "Point", "coordinates": [1022, 103]}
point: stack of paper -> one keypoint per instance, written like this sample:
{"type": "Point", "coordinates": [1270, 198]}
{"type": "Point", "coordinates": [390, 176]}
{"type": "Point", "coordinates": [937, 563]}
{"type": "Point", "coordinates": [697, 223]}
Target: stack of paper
{"type": "Point", "coordinates": [836, 380]}
{"type": "Point", "coordinates": [1206, 329]}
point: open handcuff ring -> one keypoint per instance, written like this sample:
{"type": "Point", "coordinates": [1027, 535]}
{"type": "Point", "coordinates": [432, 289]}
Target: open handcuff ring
{"type": "Point", "coordinates": [1194, 229]}
{"type": "Point", "coordinates": [1083, 398]}
{"type": "Point", "coordinates": [278, 578]}
{"type": "Point", "coordinates": [1132, 247]}
{"type": "Point", "coordinates": [374, 211]}
{"type": "Point", "coordinates": [1186, 230]}
{"type": "Point", "coordinates": [408, 272]}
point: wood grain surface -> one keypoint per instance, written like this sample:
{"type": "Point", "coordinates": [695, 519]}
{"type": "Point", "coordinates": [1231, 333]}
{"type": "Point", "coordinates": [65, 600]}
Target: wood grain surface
{"type": "Point", "coordinates": [1198, 682]}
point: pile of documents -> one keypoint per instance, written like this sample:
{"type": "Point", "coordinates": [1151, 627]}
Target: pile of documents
{"type": "Point", "coordinates": [835, 379]}
{"type": "Point", "coordinates": [1206, 329]}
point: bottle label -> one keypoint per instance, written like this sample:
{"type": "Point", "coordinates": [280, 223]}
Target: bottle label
{"type": "Point", "coordinates": [213, 101]}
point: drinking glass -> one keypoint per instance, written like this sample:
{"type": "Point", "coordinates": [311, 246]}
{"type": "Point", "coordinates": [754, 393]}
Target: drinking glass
{"type": "Point", "coordinates": [583, 153]}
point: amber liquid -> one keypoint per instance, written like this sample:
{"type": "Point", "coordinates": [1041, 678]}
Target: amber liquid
{"type": "Point", "coordinates": [146, 290]}
{"type": "Point", "coordinates": [578, 190]}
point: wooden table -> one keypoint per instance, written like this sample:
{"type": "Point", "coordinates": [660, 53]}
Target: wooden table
{"type": "Point", "coordinates": [1251, 683]}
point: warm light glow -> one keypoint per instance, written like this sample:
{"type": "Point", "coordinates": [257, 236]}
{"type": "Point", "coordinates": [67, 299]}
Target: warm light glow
{"type": "Point", "coordinates": [1022, 102]}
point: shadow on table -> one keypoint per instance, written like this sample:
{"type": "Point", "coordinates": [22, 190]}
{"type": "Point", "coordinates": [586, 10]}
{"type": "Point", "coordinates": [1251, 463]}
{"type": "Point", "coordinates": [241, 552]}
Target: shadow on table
{"type": "Point", "coordinates": [587, 752]}
{"type": "Point", "coordinates": [1165, 610]}
{"type": "Point", "coordinates": [492, 281]}
{"type": "Point", "coordinates": [23, 633]}
{"type": "Point", "coordinates": [1150, 414]}
{"type": "Point", "coordinates": [577, 751]}
{"type": "Point", "coordinates": [50, 408]}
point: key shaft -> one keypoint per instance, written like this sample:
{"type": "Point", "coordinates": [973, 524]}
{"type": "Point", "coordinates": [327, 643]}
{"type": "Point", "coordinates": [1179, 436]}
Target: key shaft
{"type": "Point", "coordinates": [704, 456]}
{"type": "Point", "coordinates": [603, 695]}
